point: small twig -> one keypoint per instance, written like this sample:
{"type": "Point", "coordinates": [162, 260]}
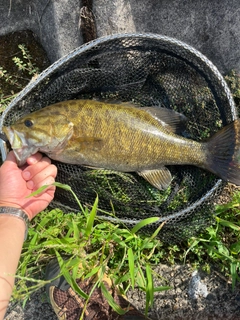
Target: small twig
{"type": "Point", "coordinates": [222, 277]}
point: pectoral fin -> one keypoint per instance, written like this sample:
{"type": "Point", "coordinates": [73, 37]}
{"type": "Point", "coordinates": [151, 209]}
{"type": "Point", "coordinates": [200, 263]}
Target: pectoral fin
{"type": "Point", "coordinates": [159, 178]}
{"type": "Point", "coordinates": [89, 143]}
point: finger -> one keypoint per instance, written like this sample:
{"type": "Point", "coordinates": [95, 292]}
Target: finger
{"type": "Point", "coordinates": [43, 199]}
{"type": "Point", "coordinates": [10, 164]}
{"type": "Point", "coordinates": [34, 158]}
{"type": "Point", "coordinates": [46, 182]}
{"type": "Point", "coordinates": [29, 172]}
{"type": "Point", "coordinates": [46, 176]}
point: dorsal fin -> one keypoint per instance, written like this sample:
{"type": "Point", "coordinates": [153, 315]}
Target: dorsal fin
{"type": "Point", "coordinates": [174, 121]}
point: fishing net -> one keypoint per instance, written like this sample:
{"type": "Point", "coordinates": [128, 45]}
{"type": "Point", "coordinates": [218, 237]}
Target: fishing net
{"type": "Point", "coordinates": [148, 70]}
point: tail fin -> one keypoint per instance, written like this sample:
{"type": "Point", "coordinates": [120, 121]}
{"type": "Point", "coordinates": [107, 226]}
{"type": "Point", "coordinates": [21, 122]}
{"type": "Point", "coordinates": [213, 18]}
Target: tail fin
{"type": "Point", "coordinates": [223, 156]}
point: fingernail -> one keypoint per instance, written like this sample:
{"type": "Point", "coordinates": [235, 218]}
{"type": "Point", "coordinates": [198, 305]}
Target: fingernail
{"type": "Point", "coordinates": [30, 185]}
{"type": "Point", "coordinates": [32, 160]}
{"type": "Point", "coordinates": [26, 175]}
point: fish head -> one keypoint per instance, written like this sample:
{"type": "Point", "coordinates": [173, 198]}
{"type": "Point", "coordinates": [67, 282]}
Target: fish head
{"type": "Point", "coordinates": [38, 131]}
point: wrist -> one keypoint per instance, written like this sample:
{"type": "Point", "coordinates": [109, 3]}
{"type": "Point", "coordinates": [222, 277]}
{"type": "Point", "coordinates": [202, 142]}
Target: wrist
{"type": "Point", "coordinates": [16, 213]}
{"type": "Point", "coordinates": [16, 206]}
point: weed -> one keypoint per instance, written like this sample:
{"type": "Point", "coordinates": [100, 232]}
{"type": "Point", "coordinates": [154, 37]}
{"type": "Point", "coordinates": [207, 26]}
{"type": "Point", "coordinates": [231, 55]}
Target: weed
{"type": "Point", "coordinates": [100, 247]}
{"type": "Point", "coordinates": [233, 81]}
{"type": "Point", "coordinates": [16, 80]}
{"type": "Point", "coordinates": [125, 255]}
{"type": "Point", "coordinates": [26, 63]}
{"type": "Point", "coordinates": [220, 244]}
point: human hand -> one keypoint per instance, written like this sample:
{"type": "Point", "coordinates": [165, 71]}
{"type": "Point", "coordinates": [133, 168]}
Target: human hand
{"type": "Point", "coordinates": [18, 183]}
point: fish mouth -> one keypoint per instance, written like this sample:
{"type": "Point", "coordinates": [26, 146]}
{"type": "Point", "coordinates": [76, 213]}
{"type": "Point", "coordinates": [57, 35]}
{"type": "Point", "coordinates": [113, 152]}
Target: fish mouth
{"type": "Point", "coordinates": [22, 150]}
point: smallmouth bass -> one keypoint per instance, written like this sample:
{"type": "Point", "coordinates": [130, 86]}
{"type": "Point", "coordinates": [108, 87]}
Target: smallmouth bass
{"type": "Point", "coordinates": [123, 137]}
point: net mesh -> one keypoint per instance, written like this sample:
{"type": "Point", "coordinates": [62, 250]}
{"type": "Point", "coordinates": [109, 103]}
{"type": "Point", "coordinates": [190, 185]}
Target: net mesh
{"type": "Point", "coordinates": [148, 70]}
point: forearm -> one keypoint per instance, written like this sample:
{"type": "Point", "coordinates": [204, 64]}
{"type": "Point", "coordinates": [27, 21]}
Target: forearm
{"type": "Point", "coordinates": [12, 232]}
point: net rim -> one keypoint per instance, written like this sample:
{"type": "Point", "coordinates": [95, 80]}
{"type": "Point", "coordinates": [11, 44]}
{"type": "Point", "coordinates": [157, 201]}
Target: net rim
{"type": "Point", "coordinates": [88, 46]}
{"type": "Point", "coordinates": [60, 62]}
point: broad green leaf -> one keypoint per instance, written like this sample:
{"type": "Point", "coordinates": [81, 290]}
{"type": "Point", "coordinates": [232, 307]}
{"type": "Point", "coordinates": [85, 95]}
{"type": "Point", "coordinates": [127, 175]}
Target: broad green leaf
{"type": "Point", "coordinates": [222, 249]}
{"type": "Point", "coordinates": [123, 278]}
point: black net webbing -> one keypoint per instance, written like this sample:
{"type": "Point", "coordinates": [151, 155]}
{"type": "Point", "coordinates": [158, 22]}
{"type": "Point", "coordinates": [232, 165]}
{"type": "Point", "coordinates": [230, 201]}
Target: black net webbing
{"type": "Point", "coordinates": [148, 70]}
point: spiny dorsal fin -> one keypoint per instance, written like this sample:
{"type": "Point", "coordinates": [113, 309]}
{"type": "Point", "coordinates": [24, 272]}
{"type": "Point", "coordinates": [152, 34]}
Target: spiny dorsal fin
{"type": "Point", "coordinates": [174, 121]}
{"type": "Point", "coordinates": [159, 178]}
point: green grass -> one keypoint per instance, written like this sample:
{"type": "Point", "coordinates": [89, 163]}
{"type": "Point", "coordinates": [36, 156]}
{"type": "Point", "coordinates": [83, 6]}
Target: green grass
{"type": "Point", "coordinates": [125, 255]}
{"type": "Point", "coordinates": [100, 247]}
{"type": "Point", "coordinates": [220, 243]}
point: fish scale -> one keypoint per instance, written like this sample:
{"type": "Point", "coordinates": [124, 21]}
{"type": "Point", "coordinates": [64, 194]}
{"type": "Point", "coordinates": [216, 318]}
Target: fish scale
{"type": "Point", "coordinates": [123, 137]}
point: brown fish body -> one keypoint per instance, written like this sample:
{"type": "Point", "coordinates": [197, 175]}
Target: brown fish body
{"type": "Point", "coordinates": [122, 137]}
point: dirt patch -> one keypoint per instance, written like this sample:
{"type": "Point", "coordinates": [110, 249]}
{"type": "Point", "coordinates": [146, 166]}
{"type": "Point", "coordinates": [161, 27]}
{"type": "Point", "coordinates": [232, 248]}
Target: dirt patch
{"type": "Point", "coordinates": [218, 302]}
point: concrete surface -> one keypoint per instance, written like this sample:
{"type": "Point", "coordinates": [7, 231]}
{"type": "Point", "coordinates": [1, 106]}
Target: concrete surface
{"type": "Point", "coordinates": [212, 27]}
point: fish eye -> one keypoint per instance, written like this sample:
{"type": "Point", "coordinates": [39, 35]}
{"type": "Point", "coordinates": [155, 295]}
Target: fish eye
{"type": "Point", "coordinates": [28, 123]}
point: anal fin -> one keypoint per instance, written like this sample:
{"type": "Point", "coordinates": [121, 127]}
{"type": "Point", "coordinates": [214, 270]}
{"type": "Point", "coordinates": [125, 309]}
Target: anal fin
{"type": "Point", "coordinates": [159, 178]}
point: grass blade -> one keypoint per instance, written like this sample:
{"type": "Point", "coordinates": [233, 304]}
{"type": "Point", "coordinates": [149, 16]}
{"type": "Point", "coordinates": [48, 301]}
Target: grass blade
{"type": "Point", "coordinates": [91, 218]}
{"type": "Point", "coordinates": [69, 278]}
{"type": "Point", "coordinates": [38, 191]}
{"type": "Point", "coordinates": [149, 288]}
{"type": "Point", "coordinates": [131, 266]}
{"type": "Point", "coordinates": [143, 223]}
{"type": "Point", "coordinates": [228, 224]}
{"type": "Point", "coordinates": [111, 301]}
{"type": "Point", "coordinates": [68, 188]}
{"type": "Point", "coordinates": [163, 288]}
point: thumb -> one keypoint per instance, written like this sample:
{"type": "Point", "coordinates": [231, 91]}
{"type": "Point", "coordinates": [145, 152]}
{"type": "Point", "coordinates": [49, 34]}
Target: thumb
{"type": "Point", "coordinates": [11, 158]}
